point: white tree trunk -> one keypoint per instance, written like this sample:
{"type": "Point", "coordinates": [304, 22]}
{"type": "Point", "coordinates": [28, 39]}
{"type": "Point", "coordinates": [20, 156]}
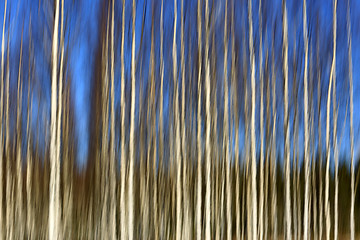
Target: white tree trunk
{"type": "Point", "coordinates": [54, 217]}
{"type": "Point", "coordinates": [261, 76]}
{"type": "Point", "coordinates": [351, 93]}
{"type": "Point", "coordinates": [113, 165]}
{"type": "Point", "coordinates": [199, 144]}
{"type": "Point", "coordinates": [2, 234]}
{"type": "Point", "coordinates": [132, 131]}
{"type": "Point", "coordinates": [19, 196]}
{"type": "Point", "coordinates": [252, 131]}
{"type": "Point", "coordinates": [123, 220]}
{"type": "Point", "coordinates": [226, 146]}
{"type": "Point", "coordinates": [306, 126]}
{"type": "Point", "coordinates": [327, 175]}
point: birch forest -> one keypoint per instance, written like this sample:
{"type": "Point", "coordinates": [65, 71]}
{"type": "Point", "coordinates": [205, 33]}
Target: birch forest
{"type": "Point", "coordinates": [179, 119]}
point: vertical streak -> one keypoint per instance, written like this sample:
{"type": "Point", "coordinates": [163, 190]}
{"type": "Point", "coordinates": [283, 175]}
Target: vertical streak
{"type": "Point", "coordinates": [1, 126]}
{"type": "Point", "coordinates": [7, 145]}
{"type": "Point", "coordinates": [29, 163]}
{"type": "Point", "coordinates": [306, 124]}
{"type": "Point", "coordinates": [54, 218]}
{"type": "Point", "coordinates": [59, 112]}
{"type": "Point", "coordinates": [177, 131]}
{"type": "Point", "coordinates": [253, 136]}
{"type": "Point", "coordinates": [208, 123]}
{"type": "Point", "coordinates": [236, 116]}
{"type": "Point", "coordinates": [327, 187]}
{"type": "Point", "coordinates": [321, 203]}
{"type": "Point", "coordinates": [123, 231]}
{"type": "Point", "coordinates": [153, 132]}
{"type": "Point", "coordinates": [186, 225]}
{"type": "Point", "coordinates": [286, 123]}
{"type": "Point", "coordinates": [261, 194]}
{"type": "Point", "coordinates": [132, 129]}
{"type": "Point", "coordinates": [351, 92]}
{"type": "Point", "coordinates": [335, 146]}
{"type": "Point", "coordinates": [226, 128]}
{"type": "Point", "coordinates": [19, 208]}
{"type": "Point", "coordinates": [161, 109]}
{"type": "Point", "coordinates": [105, 127]}
{"type": "Point", "coordinates": [112, 223]}
{"type": "Point", "coordinates": [199, 144]}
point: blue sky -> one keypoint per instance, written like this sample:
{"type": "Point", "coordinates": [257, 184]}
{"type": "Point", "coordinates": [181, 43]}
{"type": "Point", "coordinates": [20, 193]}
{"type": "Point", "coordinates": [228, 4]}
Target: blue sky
{"type": "Point", "coordinates": [83, 29]}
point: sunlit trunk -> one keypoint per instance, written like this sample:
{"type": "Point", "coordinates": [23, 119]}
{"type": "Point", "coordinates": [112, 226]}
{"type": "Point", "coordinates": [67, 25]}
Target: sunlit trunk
{"type": "Point", "coordinates": [306, 127]}
{"type": "Point", "coordinates": [199, 144]}
{"type": "Point", "coordinates": [351, 92]}
{"type": "Point", "coordinates": [253, 222]}
{"type": "Point", "coordinates": [327, 175]}
{"type": "Point", "coordinates": [273, 148]}
{"type": "Point", "coordinates": [2, 229]}
{"type": "Point", "coordinates": [132, 131]}
{"type": "Point", "coordinates": [54, 216]}
{"type": "Point", "coordinates": [123, 220]}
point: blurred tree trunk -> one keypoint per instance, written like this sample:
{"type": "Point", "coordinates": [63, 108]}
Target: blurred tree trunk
{"type": "Point", "coordinates": [54, 213]}
{"type": "Point", "coordinates": [123, 220]}
{"type": "Point", "coordinates": [286, 123]}
{"type": "Point", "coordinates": [226, 142]}
{"type": "Point", "coordinates": [30, 220]}
{"type": "Point", "coordinates": [273, 148]}
{"type": "Point", "coordinates": [253, 208]}
{"type": "Point", "coordinates": [9, 181]}
{"type": "Point", "coordinates": [132, 131]}
{"type": "Point", "coordinates": [351, 92]}
{"type": "Point", "coordinates": [321, 201]}
{"type": "Point", "coordinates": [161, 174]}
{"type": "Point", "coordinates": [335, 142]}
{"type": "Point", "coordinates": [198, 214]}
{"type": "Point", "coordinates": [2, 229]}
{"type": "Point", "coordinates": [261, 76]}
{"type": "Point", "coordinates": [104, 143]}
{"type": "Point", "coordinates": [185, 183]}
{"type": "Point", "coordinates": [327, 184]}
{"type": "Point", "coordinates": [234, 93]}
{"type": "Point", "coordinates": [112, 159]}
{"type": "Point", "coordinates": [19, 179]}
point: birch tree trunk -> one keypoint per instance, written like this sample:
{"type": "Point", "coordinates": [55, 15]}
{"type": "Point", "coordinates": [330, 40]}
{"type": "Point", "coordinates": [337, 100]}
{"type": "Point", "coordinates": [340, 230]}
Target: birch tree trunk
{"type": "Point", "coordinates": [185, 187]}
{"type": "Point", "coordinates": [321, 202]}
{"type": "Point", "coordinates": [9, 202]}
{"type": "Point", "coordinates": [351, 93]}
{"type": "Point", "coordinates": [208, 125]}
{"type": "Point", "coordinates": [225, 144]}
{"type": "Point", "coordinates": [312, 134]}
{"type": "Point", "coordinates": [153, 132]}
{"type": "Point", "coordinates": [199, 144]}
{"type": "Point", "coordinates": [296, 196]}
{"type": "Point", "coordinates": [286, 124]}
{"type": "Point", "coordinates": [2, 229]}
{"type": "Point", "coordinates": [327, 187]}
{"type": "Point", "coordinates": [132, 130]}
{"type": "Point", "coordinates": [19, 196]}
{"type": "Point", "coordinates": [113, 165]}
{"type": "Point", "coordinates": [177, 131]}
{"type": "Point", "coordinates": [306, 125]}
{"type": "Point", "coordinates": [253, 136]}
{"type": "Point", "coordinates": [161, 118]}
{"type": "Point", "coordinates": [236, 118]}
{"type": "Point", "coordinates": [54, 216]}
{"type": "Point", "coordinates": [261, 76]}
{"type": "Point", "coordinates": [29, 158]}
{"type": "Point", "coordinates": [105, 126]}
{"type": "Point", "coordinates": [123, 220]}
{"type": "Point", "coordinates": [273, 149]}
